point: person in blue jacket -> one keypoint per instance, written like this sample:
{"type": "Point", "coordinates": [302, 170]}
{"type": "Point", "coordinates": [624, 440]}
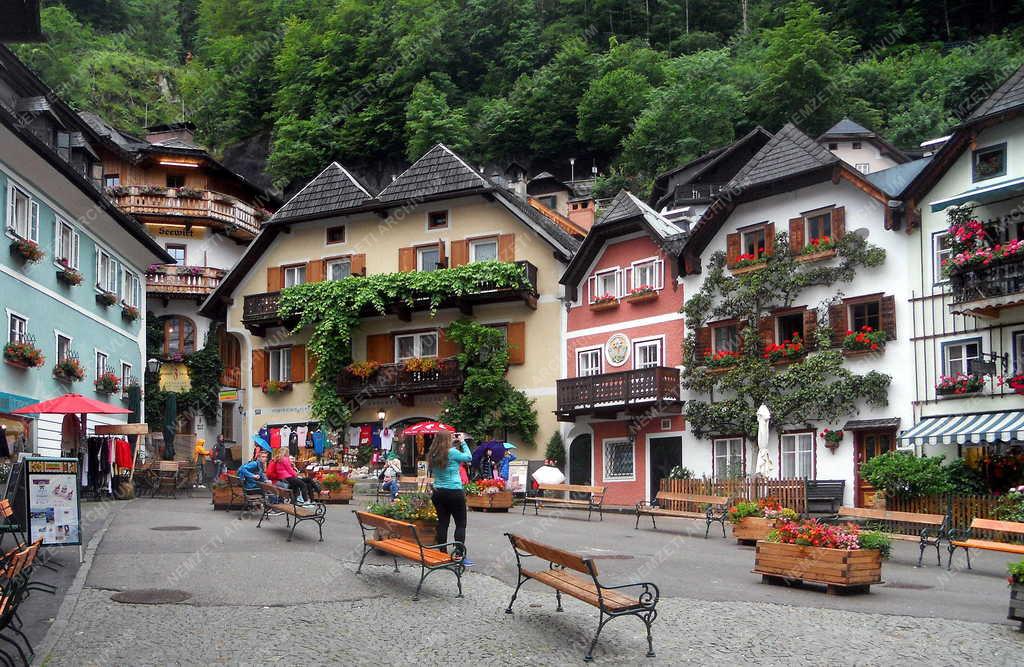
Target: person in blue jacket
{"type": "Point", "coordinates": [254, 471]}
{"type": "Point", "coordinates": [503, 464]}
{"type": "Point", "coordinates": [449, 497]}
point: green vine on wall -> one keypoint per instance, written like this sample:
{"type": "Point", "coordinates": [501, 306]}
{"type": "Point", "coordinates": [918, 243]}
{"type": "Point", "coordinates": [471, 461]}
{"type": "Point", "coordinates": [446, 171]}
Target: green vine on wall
{"type": "Point", "coordinates": [333, 309]}
{"type": "Point", "coordinates": [816, 387]}
{"type": "Point", "coordinates": [204, 370]}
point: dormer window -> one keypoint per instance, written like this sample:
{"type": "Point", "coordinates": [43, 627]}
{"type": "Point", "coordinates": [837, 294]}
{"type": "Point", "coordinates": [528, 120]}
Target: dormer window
{"type": "Point", "coordinates": [989, 162]}
{"type": "Point", "coordinates": [604, 284]}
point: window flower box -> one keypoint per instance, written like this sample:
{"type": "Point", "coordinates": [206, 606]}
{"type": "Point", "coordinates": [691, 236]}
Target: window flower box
{"type": "Point", "coordinates": [748, 263]}
{"type": "Point", "coordinates": [954, 386]}
{"type": "Point", "coordinates": [274, 387]}
{"type": "Point", "coordinates": [189, 193]}
{"type": "Point", "coordinates": [785, 352]}
{"type": "Point", "coordinates": [641, 294]}
{"type": "Point", "coordinates": [23, 355]}
{"type": "Point", "coordinates": [420, 365]}
{"type": "Point", "coordinates": [818, 249]}
{"type": "Point", "coordinates": [27, 250]}
{"type": "Point", "coordinates": [105, 298]}
{"type": "Point", "coordinates": [832, 438]}
{"type": "Point", "coordinates": [605, 302]}
{"type": "Point", "coordinates": [69, 276]}
{"type": "Point", "coordinates": [722, 361]}
{"type": "Point", "coordinates": [864, 340]}
{"type": "Point", "coordinates": [107, 383]}
{"type": "Point", "coordinates": [1016, 383]}
{"type": "Point", "coordinates": [129, 313]}
{"type": "Point", "coordinates": [69, 370]}
{"type": "Point", "coordinates": [363, 370]}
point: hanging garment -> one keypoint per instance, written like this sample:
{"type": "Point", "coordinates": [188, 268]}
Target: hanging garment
{"type": "Point", "coordinates": [293, 444]}
{"type": "Point", "coordinates": [353, 436]}
{"type": "Point", "coordinates": [365, 435]}
{"type": "Point", "coordinates": [5, 451]}
{"type": "Point", "coordinates": [375, 437]}
{"type": "Point", "coordinates": [275, 438]}
{"type": "Point", "coordinates": [387, 436]}
{"type": "Point", "coordinates": [123, 453]}
{"type": "Point", "coordinates": [286, 434]}
{"type": "Point", "coordinates": [83, 462]}
{"type": "Point", "coordinates": [318, 442]}
{"type": "Point", "coordinates": [303, 433]}
{"type": "Point", "coordinates": [264, 433]}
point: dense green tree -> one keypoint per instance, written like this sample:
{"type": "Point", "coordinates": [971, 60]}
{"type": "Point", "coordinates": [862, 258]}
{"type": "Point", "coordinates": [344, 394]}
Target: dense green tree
{"type": "Point", "coordinates": [430, 120]}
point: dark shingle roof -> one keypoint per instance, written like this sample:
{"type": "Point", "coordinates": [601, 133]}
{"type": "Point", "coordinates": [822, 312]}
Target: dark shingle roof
{"type": "Point", "coordinates": [540, 222]}
{"type": "Point", "coordinates": [332, 191]}
{"type": "Point", "coordinates": [1007, 97]}
{"type": "Point", "coordinates": [626, 206]}
{"type": "Point", "coordinates": [788, 153]}
{"type": "Point", "coordinates": [847, 126]}
{"type": "Point", "coordinates": [894, 180]}
{"type": "Point", "coordinates": [439, 171]}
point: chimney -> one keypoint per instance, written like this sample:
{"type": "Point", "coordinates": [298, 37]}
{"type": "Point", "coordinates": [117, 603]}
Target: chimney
{"type": "Point", "coordinates": [185, 131]}
{"type": "Point", "coordinates": [582, 213]}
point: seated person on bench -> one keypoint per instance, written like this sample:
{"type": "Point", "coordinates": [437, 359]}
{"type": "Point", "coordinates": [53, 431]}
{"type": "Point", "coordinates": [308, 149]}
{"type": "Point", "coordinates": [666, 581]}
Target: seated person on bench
{"type": "Point", "coordinates": [392, 470]}
{"type": "Point", "coordinates": [252, 472]}
{"type": "Point", "coordinates": [282, 471]}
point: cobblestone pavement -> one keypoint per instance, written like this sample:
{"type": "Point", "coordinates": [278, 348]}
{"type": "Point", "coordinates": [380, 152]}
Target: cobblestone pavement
{"type": "Point", "coordinates": [256, 599]}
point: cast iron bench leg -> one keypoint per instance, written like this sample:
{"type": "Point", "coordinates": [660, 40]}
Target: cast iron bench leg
{"type": "Point", "coordinates": [589, 657]}
{"type": "Point", "coordinates": [515, 593]}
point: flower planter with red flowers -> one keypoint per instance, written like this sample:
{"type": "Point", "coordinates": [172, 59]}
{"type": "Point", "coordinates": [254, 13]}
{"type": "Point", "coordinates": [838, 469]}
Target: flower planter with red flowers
{"type": "Point", "coordinates": [722, 361]}
{"type": "Point", "coordinates": [1016, 612]}
{"type": "Point", "coordinates": [641, 294]}
{"type": "Point", "coordinates": [273, 387]}
{"type": "Point", "coordinates": [27, 250]}
{"type": "Point", "coordinates": [69, 370]}
{"type": "Point", "coordinates": [749, 262]}
{"type": "Point", "coordinates": [1016, 383]}
{"type": "Point", "coordinates": [129, 313]}
{"type": "Point", "coordinates": [818, 249]}
{"type": "Point", "coordinates": [23, 355]}
{"type": "Point", "coordinates": [107, 383]}
{"type": "Point", "coordinates": [832, 438]}
{"type": "Point", "coordinates": [956, 386]}
{"type": "Point", "coordinates": [604, 302]}
{"type": "Point", "coordinates": [865, 340]}
{"type": "Point", "coordinates": [488, 495]}
{"type": "Point", "coordinates": [68, 275]}
{"type": "Point", "coordinates": [106, 299]}
{"type": "Point", "coordinates": [785, 352]}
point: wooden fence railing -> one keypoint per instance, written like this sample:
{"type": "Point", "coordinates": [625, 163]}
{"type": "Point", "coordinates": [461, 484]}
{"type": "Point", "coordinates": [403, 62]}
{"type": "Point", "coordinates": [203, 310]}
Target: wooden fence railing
{"type": "Point", "coordinates": [962, 509]}
{"type": "Point", "coordinates": [790, 492]}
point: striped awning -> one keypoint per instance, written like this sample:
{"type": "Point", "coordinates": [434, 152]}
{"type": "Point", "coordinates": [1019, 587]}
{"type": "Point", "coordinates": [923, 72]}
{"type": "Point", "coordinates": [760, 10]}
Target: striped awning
{"type": "Point", "coordinates": [978, 428]}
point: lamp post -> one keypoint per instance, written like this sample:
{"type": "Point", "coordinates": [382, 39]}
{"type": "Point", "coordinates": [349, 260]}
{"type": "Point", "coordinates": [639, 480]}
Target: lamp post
{"type": "Point", "coordinates": [153, 366]}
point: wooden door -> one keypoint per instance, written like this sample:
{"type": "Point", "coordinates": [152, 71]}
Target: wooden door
{"type": "Point", "coordinates": [867, 445]}
{"type": "Point", "coordinates": [666, 453]}
{"type": "Point", "coordinates": [580, 462]}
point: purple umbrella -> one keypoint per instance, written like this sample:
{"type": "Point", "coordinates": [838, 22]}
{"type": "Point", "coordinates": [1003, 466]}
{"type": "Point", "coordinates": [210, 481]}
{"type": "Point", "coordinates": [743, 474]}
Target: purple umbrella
{"type": "Point", "coordinates": [497, 451]}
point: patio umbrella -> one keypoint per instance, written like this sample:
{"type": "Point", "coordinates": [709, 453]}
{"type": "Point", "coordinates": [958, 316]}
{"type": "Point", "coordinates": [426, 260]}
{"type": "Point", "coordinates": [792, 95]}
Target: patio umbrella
{"type": "Point", "coordinates": [72, 404]}
{"type": "Point", "coordinates": [170, 425]}
{"type": "Point", "coordinates": [764, 458]}
{"type": "Point", "coordinates": [548, 475]}
{"type": "Point", "coordinates": [424, 428]}
{"type": "Point", "coordinates": [509, 445]}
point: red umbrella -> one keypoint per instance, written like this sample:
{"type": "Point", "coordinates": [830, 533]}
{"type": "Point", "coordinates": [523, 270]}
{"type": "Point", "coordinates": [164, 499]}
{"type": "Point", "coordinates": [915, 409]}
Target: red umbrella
{"type": "Point", "coordinates": [72, 404]}
{"type": "Point", "coordinates": [424, 428]}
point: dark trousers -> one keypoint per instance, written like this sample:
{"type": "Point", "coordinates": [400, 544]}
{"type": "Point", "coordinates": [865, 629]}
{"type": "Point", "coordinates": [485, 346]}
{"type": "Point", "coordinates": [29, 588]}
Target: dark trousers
{"type": "Point", "coordinates": [450, 504]}
{"type": "Point", "coordinates": [297, 484]}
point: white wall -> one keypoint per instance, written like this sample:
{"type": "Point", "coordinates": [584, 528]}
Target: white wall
{"type": "Point", "coordinates": [868, 153]}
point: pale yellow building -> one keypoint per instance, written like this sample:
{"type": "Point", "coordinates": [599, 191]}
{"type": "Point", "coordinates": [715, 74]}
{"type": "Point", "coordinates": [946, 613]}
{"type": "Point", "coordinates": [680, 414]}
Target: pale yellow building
{"type": "Point", "coordinates": [439, 213]}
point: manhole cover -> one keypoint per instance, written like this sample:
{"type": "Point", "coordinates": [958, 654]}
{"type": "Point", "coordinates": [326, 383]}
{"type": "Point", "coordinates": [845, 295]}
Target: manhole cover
{"type": "Point", "coordinates": [150, 596]}
{"type": "Point", "coordinates": [909, 587]}
{"type": "Point", "coordinates": [175, 528]}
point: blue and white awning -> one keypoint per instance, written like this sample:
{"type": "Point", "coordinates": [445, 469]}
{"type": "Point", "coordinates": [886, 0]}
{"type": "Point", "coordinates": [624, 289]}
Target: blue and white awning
{"type": "Point", "coordinates": [978, 428]}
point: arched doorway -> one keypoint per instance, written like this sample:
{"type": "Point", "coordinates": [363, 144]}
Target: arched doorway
{"type": "Point", "coordinates": [581, 454]}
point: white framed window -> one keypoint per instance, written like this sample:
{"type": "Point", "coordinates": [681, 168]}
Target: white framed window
{"type": "Point", "coordinates": [17, 328]}
{"type": "Point", "coordinates": [427, 258]}
{"type": "Point", "coordinates": [797, 458]}
{"type": "Point", "coordinates": [941, 252]}
{"type": "Point", "coordinates": [294, 275]}
{"type": "Point", "coordinates": [604, 283]}
{"type": "Point", "coordinates": [126, 376]}
{"type": "Point", "coordinates": [725, 338]}
{"type": "Point", "coordinates": [339, 269]}
{"type": "Point", "coordinates": [63, 346]}
{"type": "Point", "coordinates": [422, 344]}
{"type": "Point", "coordinates": [132, 288]}
{"type": "Point", "coordinates": [647, 273]}
{"type": "Point", "coordinates": [728, 458]}
{"type": "Point", "coordinates": [483, 250]}
{"type": "Point", "coordinates": [588, 362]}
{"type": "Point", "coordinates": [1018, 351]}
{"type": "Point", "coordinates": [106, 272]}
{"type": "Point", "coordinates": [66, 244]}
{"type": "Point", "coordinates": [960, 356]}
{"type": "Point", "coordinates": [863, 167]}
{"type": "Point", "coordinates": [619, 461]}
{"type": "Point", "coordinates": [647, 353]}
{"type": "Point", "coordinates": [280, 364]}
{"type": "Point", "coordinates": [101, 363]}
{"type": "Point", "coordinates": [22, 214]}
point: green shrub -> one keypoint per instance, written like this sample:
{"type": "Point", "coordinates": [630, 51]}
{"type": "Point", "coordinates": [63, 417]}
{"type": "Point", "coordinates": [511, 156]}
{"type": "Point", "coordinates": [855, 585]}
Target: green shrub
{"type": "Point", "coordinates": [679, 472]}
{"type": "Point", "coordinates": [1010, 507]}
{"type": "Point", "coordinates": [965, 480]}
{"type": "Point", "coordinates": [742, 510]}
{"type": "Point", "coordinates": [556, 449]}
{"type": "Point", "coordinates": [1016, 572]}
{"type": "Point", "coordinates": [907, 476]}
{"type": "Point", "coordinates": [872, 539]}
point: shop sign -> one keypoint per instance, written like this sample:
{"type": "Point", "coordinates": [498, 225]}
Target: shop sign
{"type": "Point", "coordinates": [51, 487]}
{"type": "Point", "coordinates": [228, 395]}
{"type": "Point", "coordinates": [174, 377]}
{"type": "Point", "coordinates": [177, 231]}
{"type": "Point", "coordinates": [616, 349]}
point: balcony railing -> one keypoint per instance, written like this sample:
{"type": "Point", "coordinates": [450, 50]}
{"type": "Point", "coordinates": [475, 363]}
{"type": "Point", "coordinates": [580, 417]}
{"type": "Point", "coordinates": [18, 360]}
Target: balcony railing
{"type": "Point", "coordinates": [987, 289]}
{"type": "Point", "coordinates": [395, 380]}
{"type": "Point", "coordinates": [142, 201]}
{"type": "Point", "coordinates": [185, 282]}
{"type": "Point", "coordinates": [614, 392]}
{"type": "Point", "coordinates": [696, 193]}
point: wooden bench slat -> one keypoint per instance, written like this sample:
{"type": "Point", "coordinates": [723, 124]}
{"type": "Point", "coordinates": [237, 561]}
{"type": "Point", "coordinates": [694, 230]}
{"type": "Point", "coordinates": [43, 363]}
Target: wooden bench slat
{"type": "Point", "coordinates": [888, 515]}
{"type": "Point", "coordinates": [990, 545]}
{"type": "Point", "coordinates": [562, 501]}
{"type": "Point", "coordinates": [677, 496]}
{"type": "Point", "coordinates": [578, 488]}
{"type": "Point", "coordinates": [555, 555]}
{"type": "Point", "coordinates": [583, 590]}
{"type": "Point", "coordinates": [998, 526]}
{"type": "Point", "coordinates": [403, 529]}
{"type": "Point", "coordinates": [411, 551]}
{"type": "Point", "coordinates": [677, 513]}
{"type": "Point", "coordinates": [293, 509]}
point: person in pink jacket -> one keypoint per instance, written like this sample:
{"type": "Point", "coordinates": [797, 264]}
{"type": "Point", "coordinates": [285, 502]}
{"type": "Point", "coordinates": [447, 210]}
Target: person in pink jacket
{"type": "Point", "coordinates": [283, 470]}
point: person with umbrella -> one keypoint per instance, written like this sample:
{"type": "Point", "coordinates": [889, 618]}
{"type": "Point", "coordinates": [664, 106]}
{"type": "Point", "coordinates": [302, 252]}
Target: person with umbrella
{"type": "Point", "coordinates": [508, 458]}
{"type": "Point", "coordinates": [449, 496]}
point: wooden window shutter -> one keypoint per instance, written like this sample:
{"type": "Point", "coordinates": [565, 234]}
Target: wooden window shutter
{"type": "Point", "coordinates": [887, 314]}
{"type": "Point", "coordinates": [766, 330]}
{"type": "Point", "coordinates": [259, 367]}
{"type": "Point", "coordinates": [407, 259]}
{"type": "Point", "coordinates": [796, 236]}
{"type": "Point", "coordinates": [810, 324]}
{"type": "Point", "coordinates": [275, 279]}
{"type": "Point", "coordinates": [380, 348]}
{"type": "Point", "coordinates": [732, 249]}
{"type": "Point", "coordinates": [315, 271]}
{"type": "Point", "coordinates": [516, 343]}
{"type": "Point", "coordinates": [442, 259]}
{"type": "Point", "coordinates": [298, 363]}
{"type": "Point", "coordinates": [507, 247]}
{"type": "Point", "coordinates": [359, 264]}
{"type": "Point", "coordinates": [769, 238]}
{"type": "Point", "coordinates": [446, 347]}
{"type": "Point", "coordinates": [460, 253]}
{"type": "Point", "coordinates": [838, 221]}
{"type": "Point", "coordinates": [704, 343]}
{"type": "Point", "coordinates": [838, 321]}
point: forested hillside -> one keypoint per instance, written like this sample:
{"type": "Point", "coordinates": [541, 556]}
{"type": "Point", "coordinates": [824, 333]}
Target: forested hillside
{"type": "Point", "coordinates": [636, 85]}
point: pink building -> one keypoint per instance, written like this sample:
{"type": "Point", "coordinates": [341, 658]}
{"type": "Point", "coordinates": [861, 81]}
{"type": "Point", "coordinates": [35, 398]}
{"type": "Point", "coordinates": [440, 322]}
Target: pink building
{"type": "Point", "coordinates": [620, 399]}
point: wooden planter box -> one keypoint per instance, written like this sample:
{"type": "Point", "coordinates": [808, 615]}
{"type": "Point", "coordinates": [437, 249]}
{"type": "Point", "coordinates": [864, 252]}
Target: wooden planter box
{"type": "Point", "coordinates": [863, 353]}
{"type": "Point", "coordinates": [643, 297]}
{"type": "Point", "coordinates": [490, 502]}
{"type": "Point", "coordinates": [750, 529]}
{"type": "Point", "coordinates": [604, 305]}
{"type": "Point", "coordinates": [1017, 604]}
{"type": "Point", "coordinates": [427, 532]}
{"type": "Point", "coordinates": [739, 271]}
{"type": "Point", "coordinates": [227, 498]}
{"type": "Point", "coordinates": [816, 256]}
{"type": "Point", "coordinates": [840, 570]}
{"type": "Point", "coordinates": [340, 497]}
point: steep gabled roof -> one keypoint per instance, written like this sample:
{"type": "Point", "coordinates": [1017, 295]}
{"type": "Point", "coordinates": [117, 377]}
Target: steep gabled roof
{"type": "Point", "coordinates": [788, 153]}
{"type": "Point", "coordinates": [1007, 97]}
{"type": "Point", "coordinates": [332, 191]}
{"type": "Point", "coordinates": [894, 180]}
{"type": "Point", "coordinates": [847, 127]}
{"type": "Point", "coordinates": [847, 130]}
{"type": "Point", "coordinates": [438, 172]}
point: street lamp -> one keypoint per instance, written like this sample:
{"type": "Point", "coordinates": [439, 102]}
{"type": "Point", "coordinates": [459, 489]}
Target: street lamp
{"type": "Point", "coordinates": [153, 366]}
{"type": "Point", "coordinates": [381, 416]}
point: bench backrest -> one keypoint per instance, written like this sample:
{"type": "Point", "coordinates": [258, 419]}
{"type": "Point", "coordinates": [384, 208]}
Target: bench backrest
{"type": "Point", "coordinates": [553, 554]}
{"type": "Point", "coordinates": [402, 529]}
{"type": "Point", "coordinates": [678, 496]}
{"type": "Point", "coordinates": [284, 492]}
{"type": "Point", "coordinates": [886, 515]}
{"type": "Point", "coordinates": [167, 466]}
{"type": "Point", "coordinates": [578, 488]}
{"type": "Point", "coordinates": [999, 526]}
{"type": "Point", "coordinates": [826, 486]}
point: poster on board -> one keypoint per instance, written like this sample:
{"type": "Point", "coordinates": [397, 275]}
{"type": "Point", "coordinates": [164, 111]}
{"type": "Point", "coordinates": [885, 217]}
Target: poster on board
{"type": "Point", "coordinates": [52, 495]}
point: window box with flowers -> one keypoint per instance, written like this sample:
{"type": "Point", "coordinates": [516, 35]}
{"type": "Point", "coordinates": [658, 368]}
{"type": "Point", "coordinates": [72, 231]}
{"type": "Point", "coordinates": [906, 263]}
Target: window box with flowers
{"type": "Point", "coordinates": [69, 370]}
{"type": "Point", "coordinates": [129, 313]}
{"type": "Point", "coordinates": [785, 352]}
{"type": "Point", "coordinates": [955, 386]}
{"type": "Point", "coordinates": [722, 360]}
{"type": "Point", "coordinates": [1016, 383]}
{"type": "Point", "coordinates": [363, 370]}
{"type": "Point", "coordinates": [107, 383]}
{"type": "Point", "coordinates": [604, 302]}
{"type": "Point", "coordinates": [420, 365]}
{"type": "Point", "coordinates": [823, 247]}
{"type": "Point", "coordinates": [749, 262]}
{"type": "Point", "coordinates": [189, 193]}
{"type": "Point", "coordinates": [68, 275]}
{"type": "Point", "coordinates": [27, 250]}
{"type": "Point", "coordinates": [832, 438]}
{"type": "Point", "coordinates": [488, 495]}
{"type": "Point", "coordinates": [641, 294]}
{"type": "Point", "coordinates": [274, 387]}
{"type": "Point", "coordinates": [753, 521]}
{"type": "Point", "coordinates": [23, 354]}
{"type": "Point", "coordinates": [105, 298]}
{"type": "Point", "coordinates": [863, 341]}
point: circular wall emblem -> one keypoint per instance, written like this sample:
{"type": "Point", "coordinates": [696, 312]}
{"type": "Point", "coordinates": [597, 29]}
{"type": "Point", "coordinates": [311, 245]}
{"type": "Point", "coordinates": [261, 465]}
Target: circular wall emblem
{"type": "Point", "coordinates": [616, 350]}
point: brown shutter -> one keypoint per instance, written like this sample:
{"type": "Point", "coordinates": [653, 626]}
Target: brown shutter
{"type": "Point", "coordinates": [838, 221]}
{"type": "Point", "coordinates": [358, 265]}
{"type": "Point", "coordinates": [887, 312]}
{"type": "Point", "coordinates": [298, 363]}
{"type": "Point", "coordinates": [732, 249]}
{"type": "Point", "coordinates": [460, 253]}
{"type": "Point", "coordinates": [837, 320]}
{"type": "Point", "coordinates": [766, 330]}
{"type": "Point", "coordinates": [380, 348]}
{"type": "Point", "coordinates": [407, 259]}
{"type": "Point", "coordinates": [796, 236]}
{"type": "Point", "coordinates": [259, 367]}
{"type": "Point", "coordinates": [442, 259]}
{"type": "Point", "coordinates": [810, 324]}
{"type": "Point", "coordinates": [769, 238]}
{"type": "Point", "coordinates": [703, 343]}
{"type": "Point", "coordinates": [446, 347]}
{"type": "Point", "coordinates": [507, 248]}
{"type": "Point", "coordinates": [315, 271]}
{"type": "Point", "coordinates": [516, 343]}
{"type": "Point", "coordinates": [275, 278]}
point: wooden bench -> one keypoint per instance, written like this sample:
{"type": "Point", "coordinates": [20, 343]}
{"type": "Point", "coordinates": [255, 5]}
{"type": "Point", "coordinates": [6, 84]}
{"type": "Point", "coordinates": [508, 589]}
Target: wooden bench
{"type": "Point", "coordinates": [717, 510]}
{"type": "Point", "coordinates": [829, 491]}
{"type": "Point", "coordinates": [595, 501]}
{"type": "Point", "coordinates": [252, 499]}
{"type": "Point", "coordinates": [932, 531]}
{"type": "Point", "coordinates": [608, 600]}
{"type": "Point", "coordinates": [963, 539]}
{"type": "Point", "coordinates": [400, 540]}
{"type": "Point", "coordinates": [286, 504]}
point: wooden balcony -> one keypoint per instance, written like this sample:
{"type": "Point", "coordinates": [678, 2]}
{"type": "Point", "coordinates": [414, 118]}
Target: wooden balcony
{"type": "Point", "coordinates": [608, 394]}
{"type": "Point", "coordinates": [393, 380]}
{"type": "Point", "coordinates": [983, 292]}
{"type": "Point", "coordinates": [259, 313]}
{"type": "Point", "coordinates": [168, 205]}
{"type": "Point", "coordinates": [172, 281]}
{"type": "Point", "coordinates": [696, 193]}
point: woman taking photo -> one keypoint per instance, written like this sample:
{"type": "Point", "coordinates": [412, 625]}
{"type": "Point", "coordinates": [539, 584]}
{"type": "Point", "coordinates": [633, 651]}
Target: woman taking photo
{"type": "Point", "coordinates": [449, 497]}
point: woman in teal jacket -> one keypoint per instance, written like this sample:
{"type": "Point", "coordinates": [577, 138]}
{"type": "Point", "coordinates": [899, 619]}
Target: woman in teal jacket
{"type": "Point", "coordinates": [449, 497]}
